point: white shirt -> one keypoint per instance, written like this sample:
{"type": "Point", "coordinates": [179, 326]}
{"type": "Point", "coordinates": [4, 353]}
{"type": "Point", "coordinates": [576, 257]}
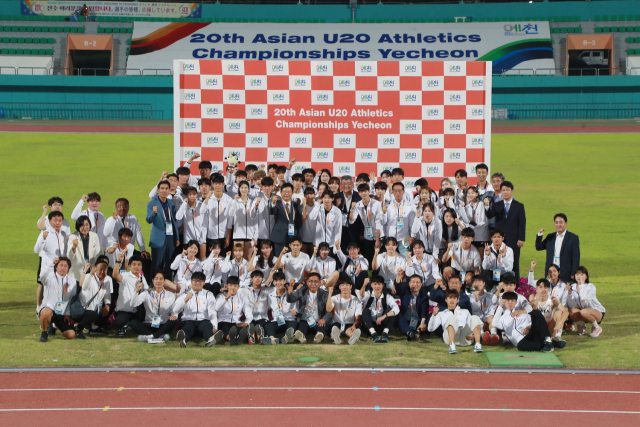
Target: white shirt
{"type": "Point", "coordinates": [54, 246]}
{"type": "Point", "coordinates": [185, 269]}
{"type": "Point", "coordinates": [265, 219]}
{"type": "Point", "coordinates": [389, 266]}
{"type": "Point", "coordinates": [201, 306]}
{"type": "Point", "coordinates": [475, 212]}
{"type": "Point", "coordinates": [427, 268]}
{"type": "Point", "coordinates": [98, 221]}
{"type": "Point", "coordinates": [217, 215]}
{"type": "Point", "coordinates": [308, 231]}
{"type": "Point", "coordinates": [279, 304]}
{"type": "Point", "coordinates": [585, 298]}
{"type": "Point", "coordinates": [442, 317]}
{"type": "Point", "coordinates": [372, 217]}
{"type": "Point", "coordinates": [376, 305]}
{"type": "Point", "coordinates": [243, 219]}
{"type": "Point", "coordinates": [430, 235]}
{"type": "Point", "coordinates": [231, 310]}
{"type": "Point", "coordinates": [521, 304]}
{"type": "Point", "coordinates": [352, 267]}
{"type": "Point", "coordinates": [113, 226]}
{"type": "Point", "coordinates": [558, 246]}
{"type": "Point", "coordinates": [294, 267]}
{"type": "Point", "coordinates": [464, 260]}
{"type": "Point", "coordinates": [239, 269]}
{"type": "Point", "coordinates": [156, 304]}
{"type": "Point", "coordinates": [56, 288]}
{"type": "Point", "coordinates": [128, 292]}
{"type": "Point", "coordinates": [396, 210]}
{"type": "Point", "coordinates": [328, 226]}
{"type": "Point", "coordinates": [264, 268]}
{"type": "Point", "coordinates": [128, 251]}
{"type": "Point", "coordinates": [259, 299]}
{"type": "Point", "coordinates": [323, 266]}
{"type": "Point", "coordinates": [216, 269]}
{"type": "Point", "coordinates": [484, 306]}
{"type": "Point", "coordinates": [495, 260]}
{"type": "Point", "coordinates": [193, 221]}
{"type": "Point", "coordinates": [92, 286]}
{"type": "Point", "coordinates": [345, 310]}
{"type": "Point", "coordinates": [512, 326]}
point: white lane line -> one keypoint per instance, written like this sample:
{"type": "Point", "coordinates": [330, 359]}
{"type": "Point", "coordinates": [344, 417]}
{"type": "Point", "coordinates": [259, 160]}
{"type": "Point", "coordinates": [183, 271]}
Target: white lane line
{"type": "Point", "coordinates": [323, 388]}
{"type": "Point", "coordinates": [324, 408]}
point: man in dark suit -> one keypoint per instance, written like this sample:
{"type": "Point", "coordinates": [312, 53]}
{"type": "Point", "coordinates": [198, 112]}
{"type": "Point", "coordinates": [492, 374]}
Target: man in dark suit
{"type": "Point", "coordinates": [312, 308]}
{"type": "Point", "coordinates": [345, 200]}
{"type": "Point", "coordinates": [563, 248]}
{"type": "Point", "coordinates": [414, 305]}
{"type": "Point", "coordinates": [511, 220]}
{"type": "Point", "coordinates": [287, 217]}
{"type": "Point", "coordinates": [161, 214]}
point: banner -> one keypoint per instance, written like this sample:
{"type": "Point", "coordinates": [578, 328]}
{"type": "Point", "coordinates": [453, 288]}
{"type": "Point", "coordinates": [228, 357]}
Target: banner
{"type": "Point", "coordinates": [429, 118]}
{"type": "Point", "coordinates": [112, 8]}
{"type": "Point", "coordinates": [507, 45]}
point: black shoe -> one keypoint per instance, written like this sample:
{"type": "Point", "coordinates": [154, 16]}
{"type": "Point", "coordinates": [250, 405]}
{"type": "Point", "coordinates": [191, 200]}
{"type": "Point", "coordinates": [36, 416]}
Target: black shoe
{"type": "Point", "coordinates": [51, 330]}
{"type": "Point", "coordinates": [548, 347]}
{"type": "Point", "coordinates": [242, 336]}
{"type": "Point", "coordinates": [375, 337]}
{"type": "Point", "coordinates": [559, 343]}
{"type": "Point", "coordinates": [385, 338]}
{"type": "Point", "coordinates": [80, 334]}
{"type": "Point", "coordinates": [98, 331]}
{"type": "Point", "coordinates": [180, 337]}
{"type": "Point", "coordinates": [122, 332]}
{"type": "Point", "coordinates": [44, 337]}
{"type": "Point", "coordinates": [233, 336]}
{"type": "Point", "coordinates": [411, 336]}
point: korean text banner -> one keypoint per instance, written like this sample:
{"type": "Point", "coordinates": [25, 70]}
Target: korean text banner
{"type": "Point", "coordinates": [429, 118]}
{"type": "Point", "coordinates": [112, 8]}
{"type": "Point", "coordinates": [507, 45]}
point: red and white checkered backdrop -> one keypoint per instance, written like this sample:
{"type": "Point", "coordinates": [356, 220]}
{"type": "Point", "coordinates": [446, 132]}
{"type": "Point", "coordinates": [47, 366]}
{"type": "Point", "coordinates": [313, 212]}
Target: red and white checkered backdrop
{"type": "Point", "coordinates": [429, 118]}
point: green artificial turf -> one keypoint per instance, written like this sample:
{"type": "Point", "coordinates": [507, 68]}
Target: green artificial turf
{"type": "Point", "coordinates": [593, 178]}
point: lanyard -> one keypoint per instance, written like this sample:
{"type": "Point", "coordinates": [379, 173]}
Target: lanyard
{"type": "Point", "coordinates": [395, 259]}
{"type": "Point", "coordinates": [326, 269]}
{"type": "Point", "coordinates": [66, 286]}
{"type": "Point", "coordinates": [367, 215]}
{"type": "Point", "coordinates": [315, 300]}
{"type": "Point", "coordinates": [465, 265]}
{"type": "Point", "coordinates": [399, 208]}
{"type": "Point", "coordinates": [354, 267]}
{"type": "Point", "coordinates": [188, 269]}
{"type": "Point", "coordinates": [98, 281]}
{"type": "Point", "coordinates": [293, 215]}
{"type": "Point", "coordinates": [498, 257]}
{"type": "Point", "coordinates": [159, 299]}
{"type": "Point", "coordinates": [96, 218]}
{"type": "Point", "coordinates": [124, 224]}
{"type": "Point", "coordinates": [60, 243]}
{"type": "Point", "coordinates": [474, 209]}
{"type": "Point", "coordinates": [255, 298]}
{"type": "Point", "coordinates": [281, 301]}
{"type": "Point", "coordinates": [164, 215]}
{"type": "Point", "coordinates": [343, 313]}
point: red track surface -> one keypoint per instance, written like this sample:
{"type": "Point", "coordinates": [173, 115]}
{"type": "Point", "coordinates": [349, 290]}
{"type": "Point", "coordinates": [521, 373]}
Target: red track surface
{"type": "Point", "coordinates": [318, 398]}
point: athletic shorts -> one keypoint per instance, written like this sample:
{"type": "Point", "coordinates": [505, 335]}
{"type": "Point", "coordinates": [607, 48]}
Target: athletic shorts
{"type": "Point", "coordinates": [242, 240]}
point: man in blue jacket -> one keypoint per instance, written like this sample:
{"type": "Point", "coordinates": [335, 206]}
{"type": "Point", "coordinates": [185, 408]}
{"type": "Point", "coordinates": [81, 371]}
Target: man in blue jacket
{"type": "Point", "coordinates": [414, 307]}
{"type": "Point", "coordinates": [161, 214]}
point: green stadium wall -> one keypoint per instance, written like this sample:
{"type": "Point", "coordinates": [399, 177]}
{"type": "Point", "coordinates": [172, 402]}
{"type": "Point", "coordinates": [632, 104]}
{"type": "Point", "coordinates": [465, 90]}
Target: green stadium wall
{"type": "Point", "coordinates": [158, 92]}
{"type": "Point", "coordinates": [585, 11]}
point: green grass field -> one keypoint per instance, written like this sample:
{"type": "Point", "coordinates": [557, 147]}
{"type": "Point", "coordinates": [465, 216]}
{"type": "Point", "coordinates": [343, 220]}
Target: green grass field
{"type": "Point", "coordinates": [592, 178]}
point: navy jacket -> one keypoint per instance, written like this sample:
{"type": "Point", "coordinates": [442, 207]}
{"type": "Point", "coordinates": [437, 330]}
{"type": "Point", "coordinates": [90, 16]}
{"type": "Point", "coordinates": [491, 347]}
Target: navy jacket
{"type": "Point", "coordinates": [404, 292]}
{"type": "Point", "coordinates": [514, 225]}
{"type": "Point", "coordinates": [569, 253]}
{"type": "Point", "coordinates": [280, 229]}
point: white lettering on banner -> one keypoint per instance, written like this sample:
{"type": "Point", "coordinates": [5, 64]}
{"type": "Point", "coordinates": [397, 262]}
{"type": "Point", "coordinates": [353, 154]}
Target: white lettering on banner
{"type": "Point", "coordinates": [112, 8]}
{"type": "Point", "coordinates": [349, 115]}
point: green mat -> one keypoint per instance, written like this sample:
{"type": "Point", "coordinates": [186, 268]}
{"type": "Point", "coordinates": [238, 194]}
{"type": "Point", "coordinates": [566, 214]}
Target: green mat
{"type": "Point", "coordinates": [309, 359]}
{"type": "Point", "coordinates": [518, 359]}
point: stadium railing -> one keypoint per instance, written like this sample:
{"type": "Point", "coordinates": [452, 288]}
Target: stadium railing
{"type": "Point", "coordinates": [76, 111]}
{"type": "Point", "coordinates": [86, 71]}
{"type": "Point", "coordinates": [570, 111]}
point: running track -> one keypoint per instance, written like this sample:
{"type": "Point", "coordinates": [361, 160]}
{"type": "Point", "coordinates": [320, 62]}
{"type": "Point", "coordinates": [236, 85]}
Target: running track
{"type": "Point", "coordinates": [318, 398]}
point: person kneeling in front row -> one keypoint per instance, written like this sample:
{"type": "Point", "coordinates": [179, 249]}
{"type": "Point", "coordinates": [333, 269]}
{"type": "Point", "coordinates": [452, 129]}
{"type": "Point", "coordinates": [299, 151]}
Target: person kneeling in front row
{"type": "Point", "coordinates": [379, 310]}
{"type": "Point", "coordinates": [159, 319]}
{"type": "Point", "coordinates": [198, 313]}
{"type": "Point", "coordinates": [347, 313]}
{"type": "Point", "coordinates": [460, 327]}
{"type": "Point", "coordinates": [284, 313]}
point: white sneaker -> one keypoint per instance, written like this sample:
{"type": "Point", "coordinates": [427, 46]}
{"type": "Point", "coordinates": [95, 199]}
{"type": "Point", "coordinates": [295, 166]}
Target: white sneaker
{"type": "Point", "coordinates": [477, 348]}
{"type": "Point", "coordinates": [452, 349]}
{"type": "Point", "coordinates": [318, 338]}
{"type": "Point", "coordinates": [144, 338]}
{"type": "Point", "coordinates": [335, 335]}
{"type": "Point", "coordinates": [300, 337]}
{"type": "Point", "coordinates": [355, 337]}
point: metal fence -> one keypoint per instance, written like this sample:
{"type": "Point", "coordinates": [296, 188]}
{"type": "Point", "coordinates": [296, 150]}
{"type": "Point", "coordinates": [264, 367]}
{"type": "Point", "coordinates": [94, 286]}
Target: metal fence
{"type": "Point", "coordinates": [57, 111]}
{"type": "Point", "coordinates": [43, 71]}
{"type": "Point", "coordinates": [570, 111]}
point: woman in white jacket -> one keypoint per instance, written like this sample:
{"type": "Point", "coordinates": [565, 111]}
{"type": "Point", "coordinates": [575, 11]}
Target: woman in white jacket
{"type": "Point", "coordinates": [84, 247]}
{"type": "Point", "coordinates": [245, 219]}
{"type": "Point", "coordinates": [584, 307]}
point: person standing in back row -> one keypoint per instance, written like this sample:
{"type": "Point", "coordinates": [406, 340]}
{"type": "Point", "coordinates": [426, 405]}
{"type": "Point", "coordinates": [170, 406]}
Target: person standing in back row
{"type": "Point", "coordinates": [563, 248]}
{"type": "Point", "coordinates": [510, 217]}
{"type": "Point", "coordinates": [161, 214]}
